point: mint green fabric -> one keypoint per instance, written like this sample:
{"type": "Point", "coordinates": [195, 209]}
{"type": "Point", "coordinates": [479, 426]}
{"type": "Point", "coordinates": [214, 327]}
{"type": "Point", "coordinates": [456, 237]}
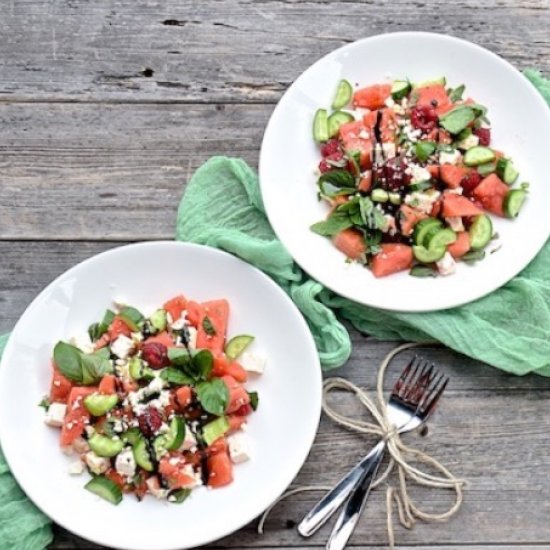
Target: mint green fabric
{"type": "Point", "coordinates": [509, 329]}
{"type": "Point", "coordinates": [22, 525]}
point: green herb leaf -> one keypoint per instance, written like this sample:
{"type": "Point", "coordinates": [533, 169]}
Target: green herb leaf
{"type": "Point", "coordinates": [132, 317]}
{"type": "Point", "coordinates": [97, 330]}
{"type": "Point", "coordinates": [423, 150]}
{"type": "Point", "coordinates": [474, 256]}
{"type": "Point", "coordinates": [458, 118]}
{"type": "Point", "coordinates": [208, 327]}
{"type": "Point", "coordinates": [254, 399]}
{"type": "Point", "coordinates": [45, 403]}
{"type": "Point", "coordinates": [67, 359]}
{"type": "Point", "coordinates": [203, 361]}
{"type": "Point", "coordinates": [175, 376]}
{"type": "Point", "coordinates": [333, 225]}
{"type": "Point", "coordinates": [178, 495]}
{"type": "Point", "coordinates": [422, 271]}
{"type": "Point", "coordinates": [213, 396]}
{"type": "Point", "coordinates": [94, 368]}
{"type": "Point", "coordinates": [330, 191]}
{"type": "Point", "coordinates": [338, 178]}
{"type": "Point", "coordinates": [179, 357]}
{"type": "Point", "coordinates": [372, 217]}
{"type": "Point", "coordinates": [456, 93]}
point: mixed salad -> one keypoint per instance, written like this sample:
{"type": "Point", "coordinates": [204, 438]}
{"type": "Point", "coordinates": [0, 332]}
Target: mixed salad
{"type": "Point", "coordinates": [154, 405]}
{"type": "Point", "coordinates": [410, 175]}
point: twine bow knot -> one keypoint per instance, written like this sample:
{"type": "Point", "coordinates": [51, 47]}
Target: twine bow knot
{"type": "Point", "coordinates": [401, 456]}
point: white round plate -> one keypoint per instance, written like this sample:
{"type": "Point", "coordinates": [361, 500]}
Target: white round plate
{"type": "Point", "coordinates": [145, 275]}
{"type": "Point", "coordinates": [520, 126]}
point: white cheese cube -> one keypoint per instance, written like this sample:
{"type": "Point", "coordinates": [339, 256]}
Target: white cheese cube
{"type": "Point", "coordinates": [422, 201]}
{"type": "Point", "coordinates": [76, 468]}
{"type": "Point", "coordinates": [125, 464]}
{"type": "Point", "coordinates": [97, 464]}
{"type": "Point", "coordinates": [253, 362]}
{"type": "Point", "coordinates": [239, 449]}
{"type": "Point", "coordinates": [450, 157]}
{"type": "Point", "coordinates": [471, 141]}
{"type": "Point", "coordinates": [447, 265]}
{"type": "Point", "coordinates": [455, 223]}
{"type": "Point", "coordinates": [122, 346]}
{"type": "Point", "coordinates": [455, 191]}
{"type": "Point", "coordinates": [55, 415]}
{"type": "Point", "coordinates": [419, 173]}
{"type": "Point", "coordinates": [389, 102]}
{"type": "Point", "coordinates": [83, 342]}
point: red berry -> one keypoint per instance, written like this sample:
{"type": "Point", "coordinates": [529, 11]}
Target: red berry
{"type": "Point", "coordinates": [150, 421]}
{"type": "Point", "coordinates": [155, 354]}
{"type": "Point", "coordinates": [424, 118]}
{"type": "Point", "coordinates": [484, 135]}
{"type": "Point", "coordinates": [470, 181]}
{"type": "Point", "coordinates": [324, 166]}
{"type": "Point", "coordinates": [330, 147]}
{"type": "Point", "coordinates": [392, 174]}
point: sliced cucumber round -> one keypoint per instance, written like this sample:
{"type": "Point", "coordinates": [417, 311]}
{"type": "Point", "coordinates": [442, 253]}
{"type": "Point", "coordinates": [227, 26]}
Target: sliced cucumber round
{"type": "Point", "coordinates": [215, 429]}
{"type": "Point", "coordinates": [395, 198]}
{"type": "Point", "coordinates": [478, 155]}
{"type": "Point", "coordinates": [98, 404]}
{"type": "Point", "coordinates": [480, 232]}
{"type": "Point", "coordinates": [320, 126]}
{"type": "Point", "coordinates": [344, 91]}
{"type": "Point", "coordinates": [379, 195]}
{"type": "Point", "coordinates": [423, 83]}
{"type": "Point", "coordinates": [422, 228]}
{"type": "Point", "coordinates": [506, 171]}
{"type": "Point", "coordinates": [138, 369]}
{"type": "Point", "coordinates": [102, 445]}
{"type": "Point", "coordinates": [439, 238]}
{"type": "Point", "coordinates": [400, 89]}
{"type": "Point", "coordinates": [336, 119]}
{"type": "Point", "coordinates": [428, 255]}
{"type": "Point", "coordinates": [486, 168]}
{"type": "Point", "coordinates": [131, 436]}
{"type": "Point", "coordinates": [237, 345]}
{"type": "Point", "coordinates": [175, 434]}
{"type": "Point", "coordinates": [105, 488]}
{"type": "Point", "coordinates": [158, 320]}
{"type": "Point", "coordinates": [513, 201]}
{"type": "Point", "coordinates": [141, 455]}
{"type": "Point", "coordinates": [159, 445]}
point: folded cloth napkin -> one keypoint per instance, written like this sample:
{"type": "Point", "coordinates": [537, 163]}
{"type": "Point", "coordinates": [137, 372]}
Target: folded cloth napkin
{"type": "Point", "coordinates": [509, 329]}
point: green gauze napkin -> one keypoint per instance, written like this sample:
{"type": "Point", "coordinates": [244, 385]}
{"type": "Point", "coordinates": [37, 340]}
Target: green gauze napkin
{"type": "Point", "coordinates": [509, 329]}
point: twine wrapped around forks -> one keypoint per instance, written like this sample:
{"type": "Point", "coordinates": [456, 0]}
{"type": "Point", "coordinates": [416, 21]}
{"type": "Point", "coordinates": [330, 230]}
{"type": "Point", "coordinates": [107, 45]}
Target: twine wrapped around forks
{"type": "Point", "coordinates": [400, 456]}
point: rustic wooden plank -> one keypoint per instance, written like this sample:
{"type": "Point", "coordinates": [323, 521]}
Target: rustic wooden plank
{"type": "Point", "coordinates": [228, 50]}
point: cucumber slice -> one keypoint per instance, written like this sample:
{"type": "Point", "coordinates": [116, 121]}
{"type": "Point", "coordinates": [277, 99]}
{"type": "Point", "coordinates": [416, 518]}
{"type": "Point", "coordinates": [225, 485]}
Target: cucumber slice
{"type": "Point", "coordinates": [440, 238]}
{"type": "Point", "coordinates": [379, 195]}
{"type": "Point", "coordinates": [395, 198]}
{"type": "Point", "coordinates": [422, 228]}
{"type": "Point", "coordinates": [98, 404]}
{"type": "Point", "coordinates": [480, 232]}
{"type": "Point", "coordinates": [344, 91]}
{"type": "Point", "coordinates": [400, 89]}
{"type": "Point", "coordinates": [513, 201]}
{"type": "Point", "coordinates": [421, 84]}
{"type": "Point", "coordinates": [215, 429]}
{"type": "Point", "coordinates": [478, 155]}
{"type": "Point", "coordinates": [158, 320]}
{"type": "Point", "coordinates": [237, 345]}
{"type": "Point", "coordinates": [159, 446]}
{"type": "Point", "coordinates": [139, 370]}
{"type": "Point", "coordinates": [428, 256]}
{"type": "Point", "coordinates": [141, 455]}
{"type": "Point", "coordinates": [131, 436]}
{"type": "Point", "coordinates": [105, 488]}
{"type": "Point", "coordinates": [176, 434]}
{"type": "Point", "coordinates": [105, 446]}
{"type": "Point", "coordinates": [320, 126]}
{"type": "Point", "coordinates": [336, 119]}
{"type": "Point", "coordinates": [487, 168]}
{"type": "Point", "coordinates": [506, 171]}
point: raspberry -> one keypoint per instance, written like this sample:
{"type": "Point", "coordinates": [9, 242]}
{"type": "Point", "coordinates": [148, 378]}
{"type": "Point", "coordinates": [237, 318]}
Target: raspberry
{"type": "Point", "coordinates": [424, 118]}
{"type": "Point", "coordinates": [484, 135]}
{"type": "Point", "coordinates": [324, 166]}
{"type": "Point", "coordinates": [470, 181]}
{"type": "Point", "coordinates": [155, 354]}
{"type": "Point", "coordinates": [391, 175]}
{"type": "Point", "coordinates": [330, 147]}
{"type": "Point", "coordinates": [150, 421]}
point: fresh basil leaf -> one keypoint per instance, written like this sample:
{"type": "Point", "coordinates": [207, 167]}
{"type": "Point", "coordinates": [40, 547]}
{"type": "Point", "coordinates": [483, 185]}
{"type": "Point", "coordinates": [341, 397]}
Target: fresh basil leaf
{"type": "Point", "coordinates": [132, 317]}
{"type": "Point", "coordinates": [45, 403]}
{"type": "Point", "coordinates": [203, 361]}
{"type": "Point", "coordinates": [179, 357]}
{"type": "Point", "coordinates": [178, 495]}
{"type": "Point", "coordinates": [97, 330]}
{"type": "Point", "coordinates": [422, 271]}
{"type": "Point", "coordinates": [104, 353]}
{"type": "Point", "coordinates": [213, 396]}
{"type": "Point", "coordinates": [67, 359]}
{"type": "Point", "coordinates": [333, 225]}
{"type": "Point", "coordinates": [175, 376]}
{"type": "Point", "coordinates": [456, 93]}
{"type": "Point", "coordinates": [108, 317]}
{"type": "Point", "coordinates": [458, 118]}
{"type": "Point", "coordinates": [208, 327]}
{"type": "Point", "coordinates": [330, 191]}
{"type": "Point", "coordinates": [254, 399]}
{"type": "Point", "coordinates": [372, 217]}
{"type": "Point", "coordinates": [424, 149]}
{"type": "Point", "coordinates": [474, 256]}
{"type": "Point", "coordinates": [94, 368]}
{"type": "Point", "coordinates": [338, 178]}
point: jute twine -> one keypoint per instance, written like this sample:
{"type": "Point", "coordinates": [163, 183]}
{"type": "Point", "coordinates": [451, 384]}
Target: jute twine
{"type": "Point", "coordinates": [400, 454]}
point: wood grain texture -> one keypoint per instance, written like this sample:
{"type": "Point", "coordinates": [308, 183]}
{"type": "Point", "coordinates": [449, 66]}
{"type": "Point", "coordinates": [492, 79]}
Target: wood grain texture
{"type": "Point", "coordinates": [226, 50]}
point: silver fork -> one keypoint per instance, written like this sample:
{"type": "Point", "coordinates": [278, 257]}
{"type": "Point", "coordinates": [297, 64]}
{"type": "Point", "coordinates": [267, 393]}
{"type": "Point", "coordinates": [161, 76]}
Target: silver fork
{"type": "Point", "coordinates": [412, 400]}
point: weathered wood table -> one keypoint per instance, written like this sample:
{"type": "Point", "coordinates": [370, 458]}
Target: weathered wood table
{"type": "Point", "coordinates": [107, 107]}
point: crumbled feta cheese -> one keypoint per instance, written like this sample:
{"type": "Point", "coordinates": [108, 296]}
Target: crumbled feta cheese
{"type": "Point", "coordinates": [118, 426]}
{"type": "Point", "coordinates": [450, 157]}
{"type": "Point", "coordinates": [80, 445]}
{"type": "Point", "coordinates": [83, 342]}
{"type": "Point", "coordinates": [467, 143]}
{"type": "Point", "coordinates": [55, 415]}
{"type": "Point", "coordinates": [192, 331]}
{"type": "Point", "coordinates": [456, 191]}
{"type": "Point", "coordinates": [378, 158]}
{"type": "Point", "coordinates": [155, 489]}
{"type": "Point", "coordinates": [164, 398]}
{"type": "Point", "coordinates": [189, 440]}
{"type": "Point", "coordinates": [389, 150]}
{"type": "Point", "coordinates": [389, 102]}
{"type": "Point", "coordinates": [76, 468]}
{"type": "Point", "coordinates": [195, 476]}
{"type": "Point", "coordinates": [253, 362]}
{"type": "Point", "coordinates": [97, 464]}
{"type": "Point", "coordinates": [447, 264]}
{"type": "Point", "coordinates": [239, 450]}
{"type": "Point", "coordinates": [125, 464]}
{"type": "Point", "coordinates": [423, 201]}
{"type": "Point", "coordinates": [179, 324]}
{"type": "Point", "coordinates": [137, 337]}
{"type": "Point", "coordinates": [455, 223]}
{"type": "Point", "coordinates": [122, 346]}
{"type": "Point", "coordinates": [398, 110]}
{"type": "Point", "coordinates": [155, 386]}
{"type": "Point", "coordinates": [418, 173]}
